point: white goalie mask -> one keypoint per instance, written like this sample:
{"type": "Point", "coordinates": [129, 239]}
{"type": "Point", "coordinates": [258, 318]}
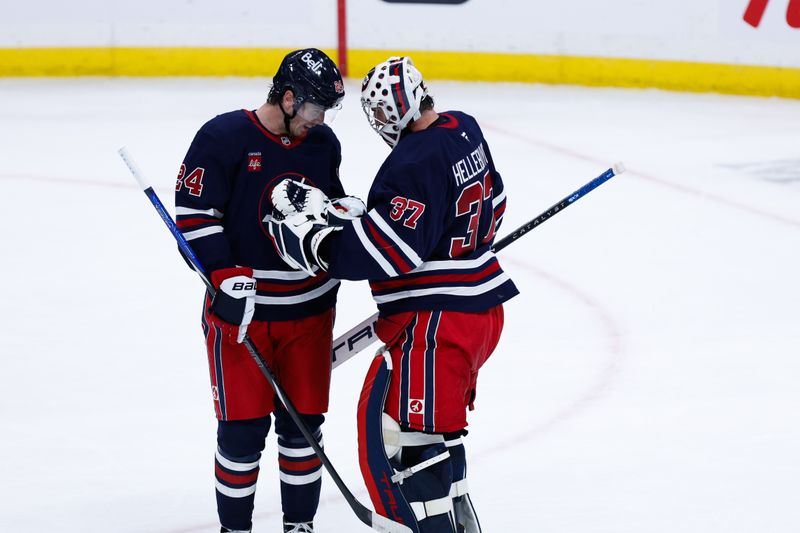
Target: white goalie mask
{"type": "Point", "coordinates": [391, 94]}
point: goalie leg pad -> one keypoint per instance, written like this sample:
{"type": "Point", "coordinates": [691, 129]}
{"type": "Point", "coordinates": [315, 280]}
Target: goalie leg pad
{"type": "Point", "coordinates": [413, 487]}
{"type": "Point", "coordinates": [465, 515]}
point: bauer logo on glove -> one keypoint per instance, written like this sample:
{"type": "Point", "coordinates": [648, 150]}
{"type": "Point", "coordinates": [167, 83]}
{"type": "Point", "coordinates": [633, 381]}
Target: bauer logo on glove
{"type": "Point", "coordinates": [234, 301]}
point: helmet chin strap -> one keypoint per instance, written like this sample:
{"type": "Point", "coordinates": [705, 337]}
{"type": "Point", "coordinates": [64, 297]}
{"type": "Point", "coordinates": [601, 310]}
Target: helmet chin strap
{"type": "Point", "coordinates": [287, 118]}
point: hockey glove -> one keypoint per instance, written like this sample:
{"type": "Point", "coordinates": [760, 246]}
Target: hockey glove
{"type": "Point", "coordinates": [298, 240]}
{"type": "Point", "coordinates": [235, 300]}
{"type": "Point", "coordinates": [290, 197]}
{"type": "Point", "coordinates": [345, 208]}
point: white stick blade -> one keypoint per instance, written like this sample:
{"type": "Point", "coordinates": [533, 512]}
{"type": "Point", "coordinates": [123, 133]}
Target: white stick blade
{"type": "Point", "coordinates": [381, 523]}
{"type": "Point", "coordinates": [618, 168]}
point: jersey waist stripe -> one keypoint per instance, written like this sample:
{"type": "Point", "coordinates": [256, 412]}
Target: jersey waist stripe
{"type": "Point", "coordinates": [456, 264]}
{"type": "Point", "coordinates": [271, 275]}
{"type": "Point", "coordinates": [184, 223]}
{"type": "Point", "coordinates": [318, 292]}
{"type": "Point", "coordinates": [204, 232]}
{"type": "Point", "coordinates": [433, 279]}
{"type": "Point", "coordinates": [264, 287]}
{"type": "Point", "coordinates": [179, 211]}
{"type": "Point", "coordinates": [443, 285]}
{"type": "Point", "coordinates": [459, 291]}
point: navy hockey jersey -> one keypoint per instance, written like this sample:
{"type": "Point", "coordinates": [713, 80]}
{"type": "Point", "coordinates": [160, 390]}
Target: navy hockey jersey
{"type": "Point", "coordinates": [433, 210]}
{"type": "Point", "coordinates": [222, 197]}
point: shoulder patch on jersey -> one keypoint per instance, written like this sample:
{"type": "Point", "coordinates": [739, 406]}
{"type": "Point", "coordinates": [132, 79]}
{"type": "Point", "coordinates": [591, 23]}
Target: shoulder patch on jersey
{"type": "Point", "coordinates": [254, 162]}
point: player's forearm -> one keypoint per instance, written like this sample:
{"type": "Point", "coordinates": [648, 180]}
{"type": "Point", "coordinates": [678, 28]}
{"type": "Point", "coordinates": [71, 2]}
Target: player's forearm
{"type": "Point", "coordinates": [349, 258]}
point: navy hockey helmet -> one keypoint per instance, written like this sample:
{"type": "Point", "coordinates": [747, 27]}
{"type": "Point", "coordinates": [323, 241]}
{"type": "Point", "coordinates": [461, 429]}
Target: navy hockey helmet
{"type": "Point", "coordinates": [312, 77]}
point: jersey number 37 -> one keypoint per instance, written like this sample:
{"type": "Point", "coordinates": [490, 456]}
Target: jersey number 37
{"type": "Point", "coordinates": [470, 203]}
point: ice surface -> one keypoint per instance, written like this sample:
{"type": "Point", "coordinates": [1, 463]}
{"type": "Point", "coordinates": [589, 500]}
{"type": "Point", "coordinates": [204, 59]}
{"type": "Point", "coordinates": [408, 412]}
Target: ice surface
{"type": "Point", "coordinates": [647, 380]}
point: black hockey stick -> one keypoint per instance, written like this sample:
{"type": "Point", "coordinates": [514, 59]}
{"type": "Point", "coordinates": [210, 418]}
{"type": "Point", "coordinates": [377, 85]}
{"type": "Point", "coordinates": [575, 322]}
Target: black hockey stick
{"type": "Point", "coordinates": [369, 517]}
{"type": "Point", "coordinates": [363, 335]}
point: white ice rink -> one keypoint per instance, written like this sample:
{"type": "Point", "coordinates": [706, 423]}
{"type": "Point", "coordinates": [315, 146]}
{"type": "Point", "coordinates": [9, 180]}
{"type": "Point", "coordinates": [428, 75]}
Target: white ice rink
{"type": "Point", "coordinates": [648, 379]}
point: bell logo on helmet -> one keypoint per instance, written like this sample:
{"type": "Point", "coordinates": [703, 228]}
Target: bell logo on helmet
{"type": "Point", "coordinates": [338, 86]}
{"type": "Point", "coordinates": [313, 66]}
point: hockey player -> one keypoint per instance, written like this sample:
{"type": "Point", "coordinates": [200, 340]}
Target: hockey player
{"type": "Point", "coordinates": [425, 245]}
{"type": "Point", "coordinates": [222, 197]}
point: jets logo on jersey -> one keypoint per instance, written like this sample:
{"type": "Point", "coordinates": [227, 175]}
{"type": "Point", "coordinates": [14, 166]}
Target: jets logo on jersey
{"type": "Point", "coordinates": [254, 162]}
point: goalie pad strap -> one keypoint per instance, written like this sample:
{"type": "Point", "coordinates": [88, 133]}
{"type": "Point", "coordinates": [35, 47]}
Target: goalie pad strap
{"type": "Point", "coordinates": [413, 438]}
{"type": "Point", "coordinates": [408, 472]}
{"type": "Point", "coordinates": [453, 442]}
{"type": "Point", "coordinates": [432, 508]}
{"type": "Point", "coordinates": [458, 488]}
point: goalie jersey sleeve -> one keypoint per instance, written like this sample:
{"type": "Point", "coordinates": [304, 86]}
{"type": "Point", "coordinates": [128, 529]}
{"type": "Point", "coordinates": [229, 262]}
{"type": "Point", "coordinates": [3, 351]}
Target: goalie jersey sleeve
{"type": "Point", "coordinates": [433, 211]}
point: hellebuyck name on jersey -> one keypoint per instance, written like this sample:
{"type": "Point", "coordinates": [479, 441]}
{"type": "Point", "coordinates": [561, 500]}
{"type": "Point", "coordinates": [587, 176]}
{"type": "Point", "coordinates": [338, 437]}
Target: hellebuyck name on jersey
{"type": "Point", "coordinates": [433, 211]}
{"type": "Point", "coordinates": [474, 164]}
{"type": "Point", "coordinates": [222, 198]}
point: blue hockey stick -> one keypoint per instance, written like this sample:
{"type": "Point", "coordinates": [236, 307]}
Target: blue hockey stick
{"type": "Point", "coordinates": [363, 335]}
{"type": "Point", "coordinates": [367, 516]}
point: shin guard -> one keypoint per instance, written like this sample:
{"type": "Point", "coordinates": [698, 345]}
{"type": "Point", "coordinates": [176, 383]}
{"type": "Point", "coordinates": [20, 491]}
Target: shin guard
{"type": "Point", "coordinates": [300, 468]}
{"type": "Point", "coordinates": [239, 446]}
